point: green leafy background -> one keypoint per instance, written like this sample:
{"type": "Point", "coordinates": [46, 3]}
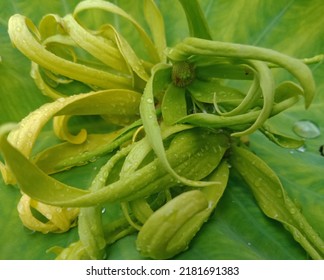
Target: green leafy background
{"type": "Point", "coordinates": [237, 229]}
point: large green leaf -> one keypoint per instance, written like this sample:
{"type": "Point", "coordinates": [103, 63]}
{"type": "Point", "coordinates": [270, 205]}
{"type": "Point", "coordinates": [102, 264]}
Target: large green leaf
{"type": "Point", "coordinates": [238, 229]}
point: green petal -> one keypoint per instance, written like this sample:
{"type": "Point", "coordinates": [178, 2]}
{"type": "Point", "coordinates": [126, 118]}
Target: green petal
{"type": "Point", "coordinates": [174, 104]}
{"type": "Point", "coordinates": [155, 21]}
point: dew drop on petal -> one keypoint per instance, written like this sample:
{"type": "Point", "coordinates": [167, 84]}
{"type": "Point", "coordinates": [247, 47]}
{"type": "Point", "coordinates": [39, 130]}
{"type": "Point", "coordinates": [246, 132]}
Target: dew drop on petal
{"type": "Point", "coordinates": [306, 129]}
{"type": "Point", "coordinates": [61, 99]}
{"type": "Point", "coordinates": [258, 182]}
{"type": "Point", "coordinates": [292, 211]}
{"type": "Point", "coordinates": [149, 100]}
{"type": "Point", "coordinates": [279, 194]}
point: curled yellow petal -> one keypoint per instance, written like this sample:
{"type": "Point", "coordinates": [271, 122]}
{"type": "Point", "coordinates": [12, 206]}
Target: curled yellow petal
{"type": "Point", "coordinates": [95, 45]}
{"type": "Point", "coordinates": [134, 63]}
{"type": "Point", "coordinates": [42, 85]}
{"type": "Point", "coordinates": [58, 219]}
{"type": "Point", "coordinates": [112, 8]}
{"type": "Point", "coordinates": [60, 127]}
{"type": "Point", "coordinates": [119, 106]}
{"type": "Point", "coordinates": [22, 33]}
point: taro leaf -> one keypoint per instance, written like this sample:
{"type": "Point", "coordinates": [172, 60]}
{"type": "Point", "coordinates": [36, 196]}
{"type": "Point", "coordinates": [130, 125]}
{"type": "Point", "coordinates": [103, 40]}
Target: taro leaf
{"type": "Point", "coordinates": [238, 228]}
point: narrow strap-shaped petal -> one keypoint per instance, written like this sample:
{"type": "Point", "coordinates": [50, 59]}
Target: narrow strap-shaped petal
{"type": "Point", "coordinates": [200, 47]}
{"type": "Point", "coordinates": [22, 38]}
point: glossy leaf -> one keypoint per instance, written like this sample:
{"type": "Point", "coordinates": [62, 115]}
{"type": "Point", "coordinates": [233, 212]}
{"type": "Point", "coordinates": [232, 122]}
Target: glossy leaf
{"type": "Point", "coordinates": [274, 201]}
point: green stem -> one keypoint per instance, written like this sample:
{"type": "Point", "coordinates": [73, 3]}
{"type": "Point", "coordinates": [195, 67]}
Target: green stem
{"type": "Point", "coordinates": [196, 20]}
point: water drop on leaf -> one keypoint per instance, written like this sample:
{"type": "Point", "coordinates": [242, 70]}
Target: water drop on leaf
{"type": "Point", "coordinates": [306, 129]}
{"type": "Point", "coordinates": [301, 149]}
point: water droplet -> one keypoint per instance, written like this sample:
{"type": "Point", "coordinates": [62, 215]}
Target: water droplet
{"type": "Point", "coordinates": [149, 100]}
{"type": "Point", "coordinates": [93, 228]}
{"type": "Point", "coordinates": [103, 210]}
{"type": "Point", "coordinates": [301, 225]}
{"type": "Point", "coordinates": [28, 231]}
{"type": "Point", "coordinates": [292, 211]}
{"type": "Point", "coordinates": [249, 244]}
{"type": "Point", "coordinates": [297, 236]}
{"type": "Point", "coordinates": [258, 182]}
{"type": "Point", "coordinates": [61, 99]}
{"type": "Point", "coordinates": [306, 129]}
{"type": "Point", "coordinates": [93, 159]}
{"type": "Point", "coordinates": [301, 149]}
